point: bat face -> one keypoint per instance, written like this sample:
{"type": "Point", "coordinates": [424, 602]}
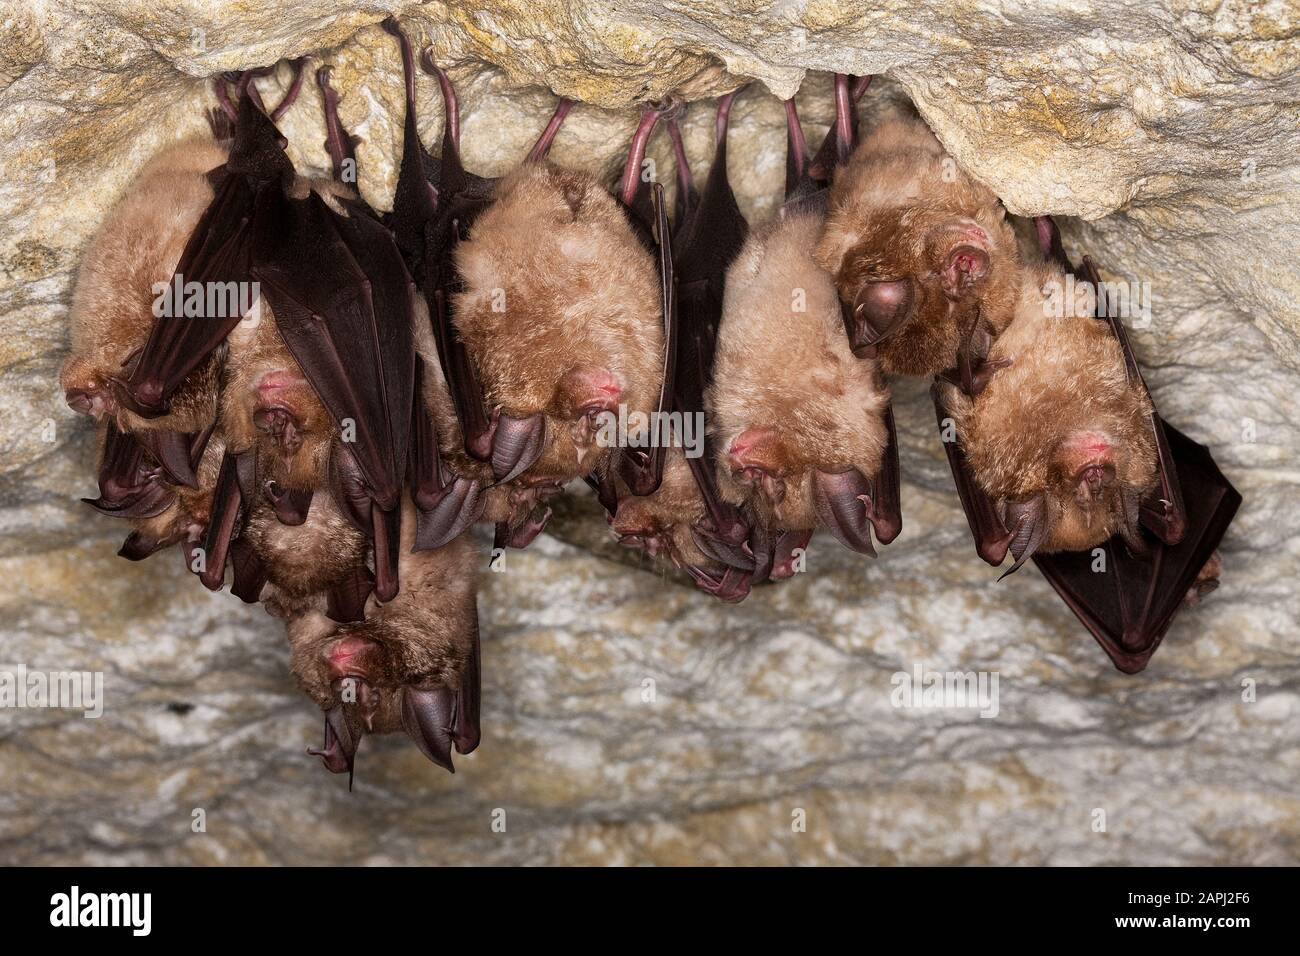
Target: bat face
{"type": "Point", "coordinates": [267, 404]}
{"type": "Point", "coordinates": [660, 524]}
{"type": "Point", "coordinates": [113, 303]}
{"type": "Point", "coordinates": [411, 665]}
{"type": "Point", "coordinates": [1077, 467]}
{"type": "Point", "coordinates": [915, 246]}
{"type": "Point", "coordinates": [794, 413]}
{"type": "Point", "coordinates": [561, 313]}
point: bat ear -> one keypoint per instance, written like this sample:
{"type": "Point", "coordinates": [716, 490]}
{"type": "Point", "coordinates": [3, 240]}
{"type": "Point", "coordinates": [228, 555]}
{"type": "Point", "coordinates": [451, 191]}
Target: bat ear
{"type": "Point", "coordinates": [516, 445]}
{"type": "Point", "coordinates": [879, 309]}
{"type": "Point", "coordinates": [1029, 526]}
{"type": "Point", "coordinates": [963, 266]}
{"type": "Point", "coordinates": [139, 546]}
{"type": "Point", "coordinates": [427, 719]}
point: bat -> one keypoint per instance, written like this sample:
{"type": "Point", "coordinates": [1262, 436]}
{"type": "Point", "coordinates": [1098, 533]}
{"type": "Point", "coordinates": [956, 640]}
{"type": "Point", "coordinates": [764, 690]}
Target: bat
{"type": "Point", "coordinates": [1107, 474]}
{"type": "Point", "coordinates": [153, 471]}
{"type": "Point", "coordinates": [685, 520]}
{"type": "Point", "coordinates": [342, 307]}
{"type": "Point", "coordinates": [1066, 474]}
{"type": "Point", "coordinates": [804, 427]}
{"type": "Point", "coordinates": [410, 665]}
{"type": "Point", "coordinates": [915, 247]}
{"type": "Point", "coordinates": [546, 311]}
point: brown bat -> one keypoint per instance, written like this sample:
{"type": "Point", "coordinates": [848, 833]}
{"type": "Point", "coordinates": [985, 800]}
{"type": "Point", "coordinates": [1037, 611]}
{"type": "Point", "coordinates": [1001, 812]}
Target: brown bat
{"type": "Point", "coordinates": [684, 520]}
{"type": "Point", "coordinates": [1064, 473]}
{"type": "Point", "coordinates": [803, 426]}
{"type": "Point", "coordinates": [916, 247]}
{"type": "Point", "coordinates": [1055, 416]}
{"type": "Point", "coordinates": [410, 665]}
{"type": "Point", "coordinates": [547, 311]}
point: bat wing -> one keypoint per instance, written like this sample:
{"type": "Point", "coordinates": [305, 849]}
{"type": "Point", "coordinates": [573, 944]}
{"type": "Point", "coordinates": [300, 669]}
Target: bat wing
{"type": "Point", "coordinates": [709, 238]}
{"type": "Point", "coordinates": [642, 471]}
{"type": "Point", "coordinates": [233, 490]}
{"type": "Point", "coordinates": [216, 257]}
{"type": "Point", "coordinates": [446, 504]}
{"type": "Point", "coordinates": [344, 308]}
{"type": "Point", "coordinates": [1128, 602]}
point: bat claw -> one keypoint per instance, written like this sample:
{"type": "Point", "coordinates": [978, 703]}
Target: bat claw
{"type": "Point", "coordinates": [731, 588]}
{"type": "Point", "coordinates": [340, 749]}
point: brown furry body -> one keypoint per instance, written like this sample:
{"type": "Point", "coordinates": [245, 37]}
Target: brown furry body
{"type": "Point", "coordinates": [1062, 404]}
{"type": "Point", "coordinates": [785, 382]}
{"type": "Point", "coordinates": [560, 311]}
{"type": "Point", "coordinates": [140, 244]}
{"type": "Point", "coordinates": [902, 209]}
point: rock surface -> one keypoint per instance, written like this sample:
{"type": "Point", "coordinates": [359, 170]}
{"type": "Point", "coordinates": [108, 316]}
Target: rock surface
{"type": "Point", "coordinates": [1171, 127]}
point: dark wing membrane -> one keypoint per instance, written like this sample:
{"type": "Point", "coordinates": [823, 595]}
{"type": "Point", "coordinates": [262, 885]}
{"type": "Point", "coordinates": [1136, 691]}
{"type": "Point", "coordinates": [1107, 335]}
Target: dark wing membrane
{"type": "Point", "coordinates": [992, 539]}
{"type": "Point", "coordinates": [1130, 604]}
{"type": "Point", "coordinates": [217, 257]}
{"type": "Point", "coordinates": [348, 329]}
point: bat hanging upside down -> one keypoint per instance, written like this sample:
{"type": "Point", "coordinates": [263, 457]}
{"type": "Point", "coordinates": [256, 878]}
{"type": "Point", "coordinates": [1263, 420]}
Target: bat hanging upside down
{"type": "Point", "coordinates": [401, 377]}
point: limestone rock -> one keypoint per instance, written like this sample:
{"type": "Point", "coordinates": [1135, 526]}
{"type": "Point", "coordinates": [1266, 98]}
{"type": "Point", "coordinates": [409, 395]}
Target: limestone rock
{"type": "Point", "coordinates": [627, 717]}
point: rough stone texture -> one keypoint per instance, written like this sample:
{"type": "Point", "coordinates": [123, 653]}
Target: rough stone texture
{"type": "Point", "coordinates": [1171, 126]}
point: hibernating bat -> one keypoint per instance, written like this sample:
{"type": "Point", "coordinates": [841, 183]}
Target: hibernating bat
{"type": "Point", "coordinates": [1060, 455]}
{"type": "Point", "coordinates": [916, 247]}
{"type": "Point", "coordinates": [684, 520]}
{"type": "Point", "coordinates": [803, 426]}
{"type": "Point", "coordinates": [547, 311]}
{"type": "Point", "coordinates": [409, 665]}
{"type": "Point", "coordinates": [341, 306]}
{"type": "Point", "coordinates": [158, 472]}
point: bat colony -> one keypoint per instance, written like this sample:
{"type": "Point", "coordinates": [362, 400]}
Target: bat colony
{"type": "Point", "coordinates": [405, 376]}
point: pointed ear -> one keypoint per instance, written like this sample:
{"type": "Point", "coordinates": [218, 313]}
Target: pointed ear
{"type": "Point", "coordinates": [427, 719]}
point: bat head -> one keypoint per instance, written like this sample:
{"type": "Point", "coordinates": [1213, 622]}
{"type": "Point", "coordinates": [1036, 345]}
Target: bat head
{"type": "Point", "coordinates": [674, 524]}
{"type": "Point", "coordinates": [369, 679]}
{"type": "Point", "coordinates": [913, 277]}
{"type": "Point", "coordinates": [915, 246]}
{"type": "Point", "coordinates": [267, 404]}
